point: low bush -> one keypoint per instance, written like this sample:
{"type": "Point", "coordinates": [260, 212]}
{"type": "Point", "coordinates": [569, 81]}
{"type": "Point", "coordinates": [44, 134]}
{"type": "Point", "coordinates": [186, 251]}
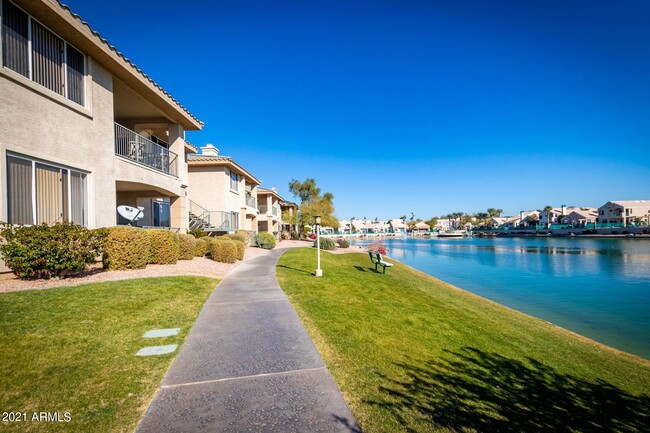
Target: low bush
{"type": "Point", "coordinates": [165, 248]}
{"type": "Point", "coordinates": [264, 240]}
{"type": "Point", "coordinates": [126, 247]}
{"type": "Point", "coordinates": [285, 235]}
{"type": "Point", "coordinates": [223, 250]}
{"type": "Point", "coordinates": [45, 251]}
{"type": "Point", "coordinates": [197, 233]}
{"type": "Point", "coordinates": [326, 244]}
{"type": "Point", "coordinates": [235, 237]}
{"type": "Point", "coordinates": [245, 236]}
{"type": "Point", "coordinates": [241, 249]}
{"type": "Point", "coordinates": [187, 246]}
{"type": "Point", "coordinates": [201, 248]}
{"type": "Point", "coordinates": [343, 243]}
{"type": "Point", "coordinates": [295, 236]}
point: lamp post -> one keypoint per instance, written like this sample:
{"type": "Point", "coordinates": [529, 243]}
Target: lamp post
{"type": "Point", "coordinates": [319, 271]}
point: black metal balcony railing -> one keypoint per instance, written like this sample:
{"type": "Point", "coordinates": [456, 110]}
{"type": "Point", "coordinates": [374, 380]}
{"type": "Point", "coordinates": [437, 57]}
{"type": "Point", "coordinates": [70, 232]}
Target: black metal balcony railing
{"type": "Point", "coordinates": [144, 151]}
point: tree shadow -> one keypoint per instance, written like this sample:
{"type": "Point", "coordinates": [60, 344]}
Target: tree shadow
{"type": "Point", "coordinates": [471, 390]}
{"type": "Point", "coordinates": [296, 269]}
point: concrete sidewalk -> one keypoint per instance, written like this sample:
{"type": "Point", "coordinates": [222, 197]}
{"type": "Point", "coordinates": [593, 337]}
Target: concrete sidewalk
{"type": "Point", "coordinates": [248, 365]}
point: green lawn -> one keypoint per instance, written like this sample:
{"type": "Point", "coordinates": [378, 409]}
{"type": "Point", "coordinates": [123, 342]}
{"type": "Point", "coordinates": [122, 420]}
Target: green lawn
{"type": "Point", "coordinates": [411, 353]}
{"type": "Point", "coordinates": [73, 350]}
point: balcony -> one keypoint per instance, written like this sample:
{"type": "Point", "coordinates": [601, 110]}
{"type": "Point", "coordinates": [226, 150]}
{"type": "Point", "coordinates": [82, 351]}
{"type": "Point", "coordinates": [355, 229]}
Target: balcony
{"type": "Point", "coordinates": [263, 209]}
{"type": "Point", "coordinates": [143, 151]}
{"type": "Point", "coordinates": [211, 221]}
{"type": "Point", "coordinates": [251, 201]}
{"type": "Point", "coordinates": [276, 211]}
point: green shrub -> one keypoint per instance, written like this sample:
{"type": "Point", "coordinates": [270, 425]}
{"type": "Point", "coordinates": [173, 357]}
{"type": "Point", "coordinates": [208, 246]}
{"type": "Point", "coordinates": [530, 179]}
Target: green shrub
{"type": "Point", "coordinates": [285, 236]}
{"type": "Point", "coordinates": [245, 237]}
{"type": "Point", "coordinates": [234, 237]}
{"type": "Point", "coordinates": [165, 248]}
{"type": "Point", "coordinates": [45, 251]}
{"type": "Point", "coordinates": [187, 246]}
{"type": "Point", "coordinates": [343, 243]}
{"type": "Point", "coordinates": [223, 250]}
{"type": "Point", "coordinates": [126, 247]}
{"type": "Point", "coordinates": [201, 248]}
{"type": "Point", "coordinates": [241, 249]}
{"type": "Point", "coordinates": [326, 244]}
{"type": "Point", "coordinates": [197, 233]}
{"type": "Point", "coordinates": [264, 240]}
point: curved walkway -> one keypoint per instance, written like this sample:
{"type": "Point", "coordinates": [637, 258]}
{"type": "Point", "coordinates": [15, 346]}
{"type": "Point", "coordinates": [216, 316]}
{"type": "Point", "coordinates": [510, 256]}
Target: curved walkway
{"type": "Point", "coordinates": [248, 364]}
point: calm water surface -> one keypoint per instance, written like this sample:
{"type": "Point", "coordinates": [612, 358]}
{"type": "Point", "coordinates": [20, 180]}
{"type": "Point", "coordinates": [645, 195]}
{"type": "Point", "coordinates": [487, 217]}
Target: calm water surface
{"type": "Point", "coordinates": [599, 288]}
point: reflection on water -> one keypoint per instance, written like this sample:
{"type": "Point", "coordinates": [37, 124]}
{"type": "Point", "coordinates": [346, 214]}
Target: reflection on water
{"type": "Point", "coordinates": [597, 287]}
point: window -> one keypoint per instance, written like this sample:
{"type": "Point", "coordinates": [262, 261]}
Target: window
{"type": "Point", "coordinates": [33, 51]}
{"type": "Point", "coordinates": [234, 184]}
{"type": "Point", "coordinates": [39, 192]}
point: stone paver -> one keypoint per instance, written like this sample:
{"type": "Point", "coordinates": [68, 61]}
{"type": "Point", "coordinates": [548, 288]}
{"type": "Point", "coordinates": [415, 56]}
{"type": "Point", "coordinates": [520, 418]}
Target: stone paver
{"type": "Point", "coordinates": [249, 365]}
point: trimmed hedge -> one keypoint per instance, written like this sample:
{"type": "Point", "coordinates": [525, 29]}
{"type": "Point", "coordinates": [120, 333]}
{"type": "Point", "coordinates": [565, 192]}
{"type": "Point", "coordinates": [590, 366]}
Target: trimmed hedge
{"type": "Point", "coordinates": [241, 249]}
{"type": "Point", "coordinates": [326, 244]}
{"type": "Point", "coordinates": [44, 251]}
{"type": "Point", "coordinates": [187, 247]}
{"type": "Point", "coordinates": [234, 237]}
{"type": "Point", "coordinates": [223, 250]}
{"type": "Point", "coordinates": [165, 248]}
{"type": "Point", "coordinates": [264, 240]}
{"type": "Point", "coordinates": [343, 243]}
{"type": "Point", "coordinates": [126, 247]}
{"type": "Point", "coordinates": [201, 248]}
{"type": "Point", "coordinates": [245, 236]}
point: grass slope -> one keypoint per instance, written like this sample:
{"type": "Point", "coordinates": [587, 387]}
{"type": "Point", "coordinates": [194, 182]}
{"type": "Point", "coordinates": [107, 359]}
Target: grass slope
{"type": "Point", "coordinates": [73, 350]}
{"type": "Point", "coordinates": [411, 353]}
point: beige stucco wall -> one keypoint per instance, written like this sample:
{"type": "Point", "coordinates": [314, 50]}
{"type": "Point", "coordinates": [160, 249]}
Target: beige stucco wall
{"type": "Point", "coordinates": [40, 124]}
{"type": "Point", "coordinates": [210, 189]}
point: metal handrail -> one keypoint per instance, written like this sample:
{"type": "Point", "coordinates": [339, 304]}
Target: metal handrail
{"type": "Point", "coordinates": [134, 146]}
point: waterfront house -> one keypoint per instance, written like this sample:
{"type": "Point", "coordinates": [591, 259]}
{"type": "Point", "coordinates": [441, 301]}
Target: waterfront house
{"type": "Point", "coordinates": [345, 227]}
{"type": "Point", "coordinates": [625, 212]}
{"type": "Point", "coordinates": [224, 194]}
{"type": "Point", "coordinates": [421, 228]}
{"type": "Point", "coordinates": [554, 215]}
{"type": "Point", "coordinates": [496, 222]}
{"type": "Point", "coordinates": [269, 218]}
{"type": "Point", "coordinates": [378, 226]}
{"type": "Point", "coordinates": [83, 129]}
{"type": "Point", "coordinates": [581, 216]}
{"type": "Point", "coordinates": [397, 225]}
{"type": "Point", "coordinates": [359, 226]}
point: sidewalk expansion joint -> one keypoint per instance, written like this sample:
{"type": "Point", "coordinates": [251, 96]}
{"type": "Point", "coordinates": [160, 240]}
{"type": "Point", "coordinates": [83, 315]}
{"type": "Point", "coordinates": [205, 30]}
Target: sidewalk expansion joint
{"type": "Point", "coordinates": [229, 379]}
{"type": "Point", "coordinates": [247, 302]}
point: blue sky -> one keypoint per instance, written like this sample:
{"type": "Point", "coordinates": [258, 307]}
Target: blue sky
{"type": "Point", "coordinates": [406, 106]}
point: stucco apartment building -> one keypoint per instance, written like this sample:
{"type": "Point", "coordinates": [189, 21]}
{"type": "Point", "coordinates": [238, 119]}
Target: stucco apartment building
{"type": "Point", "coordinates": [625, 212]}
{"type": "Point", "coordinates": [224, 194]}
{"type": "Point", "coordinates": [269, 218]}
{"type": "Point", "coordinates": [82, 130]}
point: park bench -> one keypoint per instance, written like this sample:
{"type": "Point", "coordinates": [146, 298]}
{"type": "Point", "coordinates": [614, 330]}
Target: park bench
{"type": "Point", "coordinates": [377, 260]}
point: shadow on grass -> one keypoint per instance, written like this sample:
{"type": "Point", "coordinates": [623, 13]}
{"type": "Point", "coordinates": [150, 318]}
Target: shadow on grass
{"type": "Point", "coordinates": [296, 269]}
{"type": "Point", "coordinates": [471, 390]}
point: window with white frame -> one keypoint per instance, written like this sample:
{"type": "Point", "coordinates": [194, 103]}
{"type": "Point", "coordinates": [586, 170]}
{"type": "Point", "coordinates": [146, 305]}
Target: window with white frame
{"type": "Point", "coordinates": [40, 192]}
{"type": "Point", "coordinates": [234, 181]}
{"type": "Point", "coordinates": [33, 51]}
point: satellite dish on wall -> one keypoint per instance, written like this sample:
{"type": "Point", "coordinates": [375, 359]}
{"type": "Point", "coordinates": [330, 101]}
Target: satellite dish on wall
{"type": "Point", "coordinates": [130, 213]}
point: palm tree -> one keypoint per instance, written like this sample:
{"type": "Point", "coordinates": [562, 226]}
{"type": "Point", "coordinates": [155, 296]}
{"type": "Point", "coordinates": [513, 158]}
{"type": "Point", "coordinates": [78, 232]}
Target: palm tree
{"type": "Point", "coordinates": [548, 208]}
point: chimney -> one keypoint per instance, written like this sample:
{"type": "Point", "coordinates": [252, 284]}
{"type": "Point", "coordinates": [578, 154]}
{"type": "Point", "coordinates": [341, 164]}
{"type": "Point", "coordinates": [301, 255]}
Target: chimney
{"type": "Point", "coordinates": [563, 209]}
{"type": "Point", "coordinates": [209, 150]}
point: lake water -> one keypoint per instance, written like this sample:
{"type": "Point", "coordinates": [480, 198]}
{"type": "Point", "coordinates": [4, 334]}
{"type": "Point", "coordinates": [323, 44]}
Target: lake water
{"type": "Point", "coordinates": [599, 288]}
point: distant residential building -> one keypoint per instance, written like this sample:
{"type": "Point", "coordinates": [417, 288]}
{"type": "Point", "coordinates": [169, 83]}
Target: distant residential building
{"type": "Point", "coordinates": [581, 216]}
{"type": "Point", "coordinates": [398, 226]}
{"type": "Point", "coordinates": [345, 227]}
{"type": "Point", "coordinates": [378, 226]}
{"type": "Point", "coordinates": [421, 227]}
{"type": "Point", "coordinates": [269, 218]}
{"type": "Point", "coordinates": [224, 197]}
{"type": "Point", "coordinates": [359, 226]}
{"type": "Point", "coordinates": [625, 212]}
